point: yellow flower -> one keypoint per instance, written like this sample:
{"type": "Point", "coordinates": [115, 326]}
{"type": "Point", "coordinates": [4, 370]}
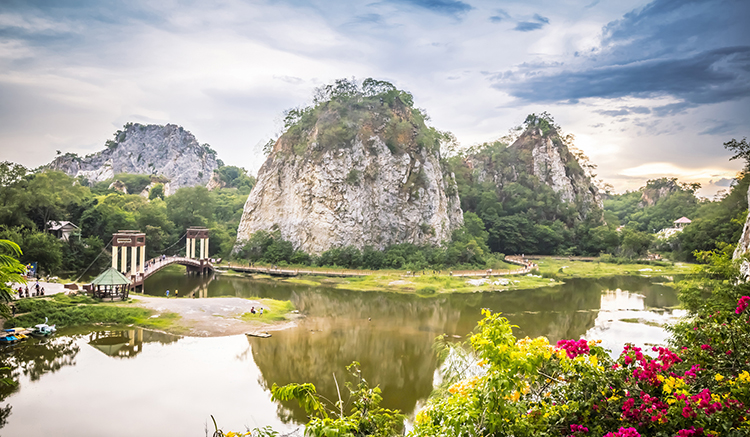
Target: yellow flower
{"type": "Point", "coordinates": [718, 377]}
{"type": "Point", "coordinates": [744, 377]}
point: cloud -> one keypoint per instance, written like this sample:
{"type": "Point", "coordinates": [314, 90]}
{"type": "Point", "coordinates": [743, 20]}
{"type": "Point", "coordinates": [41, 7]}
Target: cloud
{"type": "Point", "coordinates": [624, 111]}
{"type": "Point", "coordinates": [706, 77]}
{"type": "Point", "coordinates": [500, 16]}
{"type": "Point", "coordinates": [447, 7]}
{"type": "Point", "coordinates": [724, 182]}
{"type": "Point", "coordinates": [689, 51]}
{"type": "Point", "coordinates": [537, 22]}
{"type": "Point", "coordinates": [718, 127]}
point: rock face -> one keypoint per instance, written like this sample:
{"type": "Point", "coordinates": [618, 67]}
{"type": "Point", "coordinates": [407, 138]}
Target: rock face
{"type": "Point", "coordinates": [743, 246]}
{"type": "Point", "coordinates": [168, 151]}
{"type": "Point", "coordinates": [658, 189]}
{"type": "Point", "coordinates": [545, 156]}
{"type": "Point", "coordinates": [364, 191]}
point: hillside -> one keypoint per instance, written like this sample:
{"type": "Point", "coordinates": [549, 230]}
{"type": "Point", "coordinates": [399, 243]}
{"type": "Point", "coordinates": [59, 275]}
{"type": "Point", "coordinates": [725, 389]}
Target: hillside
{"type": "Point", "coordinates": [358, 168]}
{"type": "Point", "coordinates": [167, 151]}
{"type": "Point", "coordinates": [534, 194]}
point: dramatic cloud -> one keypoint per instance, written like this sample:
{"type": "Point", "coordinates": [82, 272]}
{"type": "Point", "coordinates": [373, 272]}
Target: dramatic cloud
{"type": "Point", "coordinates": [669, 48]}
{"type": "Point", "coordinates": [637, 82]}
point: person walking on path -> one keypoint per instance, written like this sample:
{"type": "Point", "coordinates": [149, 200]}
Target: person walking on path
{"type": "Point", "coordinates": [175, 293]}
{"type": "Point", "coordinates": [167, 293]}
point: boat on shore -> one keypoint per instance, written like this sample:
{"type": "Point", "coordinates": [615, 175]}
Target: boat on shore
{"type": "Point", "coordinates": [12, 336]}
{"type": "Point", "coordinates": [43, 329]}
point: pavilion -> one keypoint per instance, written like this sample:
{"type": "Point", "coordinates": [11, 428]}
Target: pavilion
{"type": "Point", "coordinates": [682, 222]}
{"type": "Point", "coordinates": [111, 283]}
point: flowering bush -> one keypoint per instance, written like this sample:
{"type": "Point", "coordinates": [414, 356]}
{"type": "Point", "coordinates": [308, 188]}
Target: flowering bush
{"type": "Point", "coordinates": [700, 386]}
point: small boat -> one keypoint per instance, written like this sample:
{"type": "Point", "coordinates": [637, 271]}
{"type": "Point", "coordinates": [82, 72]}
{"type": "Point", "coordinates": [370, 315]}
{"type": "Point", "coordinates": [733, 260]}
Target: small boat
{"type": "Point", "coordinates": [13, 335]}
{"type": "Point", "coordinates": [43, 329]}
{"type": "Point", "coordinates": [258, 334]}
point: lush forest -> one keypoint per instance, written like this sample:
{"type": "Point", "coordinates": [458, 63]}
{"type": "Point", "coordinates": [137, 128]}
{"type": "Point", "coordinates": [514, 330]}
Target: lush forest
{"type": "Point", "coordinates": [507, 208]}
{"type": "Point", "coordinates": [30, 200]}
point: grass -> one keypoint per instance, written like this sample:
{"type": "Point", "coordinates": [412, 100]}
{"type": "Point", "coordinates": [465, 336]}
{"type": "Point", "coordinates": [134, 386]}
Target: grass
{"type": "Point", "coordinates": [64, 310]}
{"type": "Point", "coordinates": [642, 322]}
{"type": "Point", "coordinates": [273, 311]}
{"type": "Point", "coordinates": [583, 269]}
{"type": "Point", "coordinates": [429, 284]}
{"type": "Point", "coordinates": [302, 282]}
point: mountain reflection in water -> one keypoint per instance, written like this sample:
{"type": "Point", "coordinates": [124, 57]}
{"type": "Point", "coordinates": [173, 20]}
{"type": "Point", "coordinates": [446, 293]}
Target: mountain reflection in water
{"type": "Point", "coordinates": [172, 385]}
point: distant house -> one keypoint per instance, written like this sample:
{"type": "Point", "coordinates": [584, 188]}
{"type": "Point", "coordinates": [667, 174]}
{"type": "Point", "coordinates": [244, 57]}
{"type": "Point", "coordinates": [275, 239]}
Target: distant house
{"type": "Point", "coordinates": [62, 230]}
{"type": "Point", "coordinates": [682, 222]}
{"type": "Point", "coordinates": [679, 225]}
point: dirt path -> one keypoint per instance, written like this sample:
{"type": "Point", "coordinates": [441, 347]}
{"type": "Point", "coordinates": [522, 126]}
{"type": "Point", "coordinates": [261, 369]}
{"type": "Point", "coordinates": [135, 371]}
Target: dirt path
{"type": "Point", "coordinates": [212, 317]}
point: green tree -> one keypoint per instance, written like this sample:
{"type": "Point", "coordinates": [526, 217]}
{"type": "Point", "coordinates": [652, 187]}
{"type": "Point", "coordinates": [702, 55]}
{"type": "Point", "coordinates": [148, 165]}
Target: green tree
{"type": "Point", "coordinates": [11, 271]}
{"type": "Point", "coordinates": [190, 207]}
{"type": "Point", "coordinates": [157, 191]}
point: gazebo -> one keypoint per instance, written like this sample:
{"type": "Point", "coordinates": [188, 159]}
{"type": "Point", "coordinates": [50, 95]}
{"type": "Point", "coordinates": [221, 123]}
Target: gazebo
{"type": "Point", "coordinates": [682, 222]}
{"type": "Point", "coordinates": [111, 283]}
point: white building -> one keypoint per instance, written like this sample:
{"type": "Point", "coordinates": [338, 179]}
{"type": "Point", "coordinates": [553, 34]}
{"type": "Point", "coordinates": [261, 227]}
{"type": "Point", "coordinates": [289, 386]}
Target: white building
{"type": "Point", "coordinates": [62, 230]}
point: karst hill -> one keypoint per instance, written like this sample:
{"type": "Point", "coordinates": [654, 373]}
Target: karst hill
{"type": "Point", "coordinates": [168, 152]}
{"type": "Point", "coordinates": [357, 168]}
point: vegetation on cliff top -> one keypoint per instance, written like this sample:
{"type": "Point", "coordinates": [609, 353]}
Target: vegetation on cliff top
{"type": "Point", "coordinates": [345, 110]}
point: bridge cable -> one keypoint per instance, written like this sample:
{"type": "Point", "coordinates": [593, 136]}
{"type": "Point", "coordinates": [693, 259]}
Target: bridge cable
{"type": "Point", "coordinates": [104, 250]}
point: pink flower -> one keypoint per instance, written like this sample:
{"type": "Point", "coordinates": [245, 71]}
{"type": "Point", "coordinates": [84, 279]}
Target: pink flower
{"type": "Point", "coordinates": [742, 304]}
{"type": "Point", "coordinates": [574, 348]}
{"type": "Point", "coordinates": [690, 432]}
{"type": "Point", "coordinates": [578, 428]}
{"type": "Point", "coordinates": [623, 432]}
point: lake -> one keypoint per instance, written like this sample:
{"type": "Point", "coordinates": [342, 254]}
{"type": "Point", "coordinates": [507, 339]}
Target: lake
{"type": "Point", "coordinates": [128, 382]}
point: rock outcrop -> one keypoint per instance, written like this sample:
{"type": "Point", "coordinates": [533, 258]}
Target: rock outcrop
{"type": "Point", "coordinates": [359, 176]}
{"type": "Point", "coordinates": [542, 153]}
{"type": "Point", "coordinates": [743, 246]}
{"type": "Point", "coordinates": [168, 151]}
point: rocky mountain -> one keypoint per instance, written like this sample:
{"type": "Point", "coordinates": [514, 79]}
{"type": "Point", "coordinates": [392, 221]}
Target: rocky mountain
{"type": "Point", "coordinates": [540, 152]}
{"type": "Point", "coordinates": [743, 246]}
{"type": "Point", "coordinates": [169, 151]}
{"type": "Point", "coordinates": [359, 168]}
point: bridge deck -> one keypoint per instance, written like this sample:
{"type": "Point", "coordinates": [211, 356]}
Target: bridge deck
{"type": "Point", "coordinates": [155, 264]}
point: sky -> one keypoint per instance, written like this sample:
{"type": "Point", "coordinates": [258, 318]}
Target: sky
{"type": "Point", "coordinates": [649, 89]}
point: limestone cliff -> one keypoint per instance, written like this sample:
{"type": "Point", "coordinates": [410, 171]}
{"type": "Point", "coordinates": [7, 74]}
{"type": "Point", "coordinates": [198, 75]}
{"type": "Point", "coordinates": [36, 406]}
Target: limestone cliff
{"type": "Point", "coordinates": [540, 152]}
{"type": "Point", "coordinates": [168, 151]}
{"type": "Point", "coordinates": [359, 169]}
{"type": "Point", "coordinates": [743, 246]}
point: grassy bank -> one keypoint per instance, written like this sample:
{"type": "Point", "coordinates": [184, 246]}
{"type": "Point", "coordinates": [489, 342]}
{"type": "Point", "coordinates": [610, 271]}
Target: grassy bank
{"type": "Point", "coordinates": [275, 311]}
{"type": "Point", "coordinates": [427, 284]}
{"type": "Point", "coordinates": [550, 272]}
{"type": "Point", "coordinates": [562, 268]}
{"type": "Point", "coordinates": [65, 311]}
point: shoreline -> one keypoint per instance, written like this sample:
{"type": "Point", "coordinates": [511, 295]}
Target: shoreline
{"type": "Point", "coordinates": [212, 317]}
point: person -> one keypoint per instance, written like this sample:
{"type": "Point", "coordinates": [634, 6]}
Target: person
{"type": "Point", "coordinates": [252, 310]}
{"type": "Point", "coordinates": [42, 292]}
{"type": "Point", "coordinates": [167, 293]}
{"type": "Point", "coordinates": [175, 293]}
{"type": "Point", "coordinates": [14, 310]}
{"type": "Point", "coordinates": [261, 310]}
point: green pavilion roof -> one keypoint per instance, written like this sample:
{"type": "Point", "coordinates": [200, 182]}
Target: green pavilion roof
{"type": "Point", "coordinates": [111, 277]}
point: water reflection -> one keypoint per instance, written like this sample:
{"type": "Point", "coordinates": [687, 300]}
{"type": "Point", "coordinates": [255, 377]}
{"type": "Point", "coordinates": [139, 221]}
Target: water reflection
{"type": "Point", "coordinates": [33, 358]}
{"type": "Point", "coordinates": [390, 334]}
{"type": "Point", "coordinates": [126, 343]}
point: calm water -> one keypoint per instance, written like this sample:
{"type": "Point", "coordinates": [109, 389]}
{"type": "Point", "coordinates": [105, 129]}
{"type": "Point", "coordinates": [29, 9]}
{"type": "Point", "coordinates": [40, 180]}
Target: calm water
{"type": "Point", "coordinates": [136, 382]}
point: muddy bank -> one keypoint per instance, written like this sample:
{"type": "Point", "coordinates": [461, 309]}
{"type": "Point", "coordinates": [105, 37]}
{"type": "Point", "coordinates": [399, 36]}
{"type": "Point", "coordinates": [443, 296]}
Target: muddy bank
{"type": "Point", "coordinates": [214, 317]}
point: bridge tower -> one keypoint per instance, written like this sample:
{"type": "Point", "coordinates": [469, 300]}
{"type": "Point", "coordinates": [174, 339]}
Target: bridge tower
{"type": "Point", "coordinates": [195, 234]}
{"type": "Point", "coordinates": [136, 241]}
